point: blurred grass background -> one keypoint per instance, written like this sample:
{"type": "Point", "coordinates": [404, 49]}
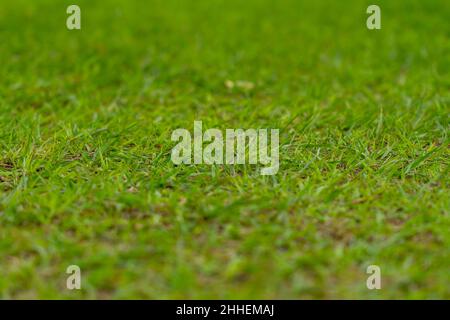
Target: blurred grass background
{"type": "Point", "coordinates": [85, 171]}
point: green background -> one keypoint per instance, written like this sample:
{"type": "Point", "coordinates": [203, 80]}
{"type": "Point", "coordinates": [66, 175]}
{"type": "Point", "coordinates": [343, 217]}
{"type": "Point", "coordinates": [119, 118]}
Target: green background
{"type": "Point", "coordinates": [85, 171]}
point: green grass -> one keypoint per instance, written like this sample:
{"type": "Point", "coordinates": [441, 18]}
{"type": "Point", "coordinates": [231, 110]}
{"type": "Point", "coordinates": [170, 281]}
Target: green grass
{"type": "Point", "coordinates": [85, 170]}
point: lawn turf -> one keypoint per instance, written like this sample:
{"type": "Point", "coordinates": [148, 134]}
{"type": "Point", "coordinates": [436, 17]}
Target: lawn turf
{"type": "Point", "coordinates": [86, 177]}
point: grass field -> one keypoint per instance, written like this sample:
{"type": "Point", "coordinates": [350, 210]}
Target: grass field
{"type": "Point", "coordinates": [86, 177]}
